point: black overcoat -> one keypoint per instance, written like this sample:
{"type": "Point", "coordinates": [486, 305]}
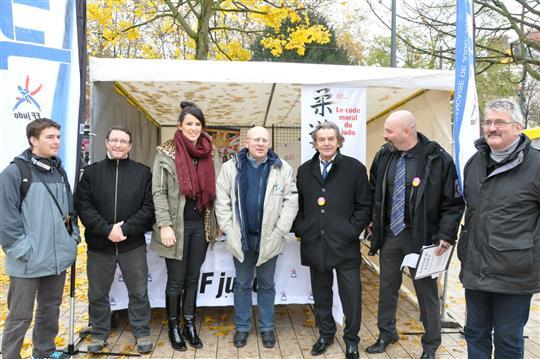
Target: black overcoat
{"type": "Point", "coordinates": [332, 212]}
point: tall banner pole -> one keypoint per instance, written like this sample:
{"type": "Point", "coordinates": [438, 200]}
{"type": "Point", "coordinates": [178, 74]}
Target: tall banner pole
{"type": "Point", "coordinates": [466, 114]}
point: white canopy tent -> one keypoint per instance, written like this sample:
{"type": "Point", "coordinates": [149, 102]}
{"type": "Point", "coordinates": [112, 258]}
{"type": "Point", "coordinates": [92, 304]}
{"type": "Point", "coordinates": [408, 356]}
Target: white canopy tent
{"type": "Point", "coordinates": [144, 95]}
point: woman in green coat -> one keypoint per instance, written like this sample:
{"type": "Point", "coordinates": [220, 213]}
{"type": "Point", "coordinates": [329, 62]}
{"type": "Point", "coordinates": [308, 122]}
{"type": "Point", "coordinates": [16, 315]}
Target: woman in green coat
{"type": "Point", "coordinates": [184, 189]}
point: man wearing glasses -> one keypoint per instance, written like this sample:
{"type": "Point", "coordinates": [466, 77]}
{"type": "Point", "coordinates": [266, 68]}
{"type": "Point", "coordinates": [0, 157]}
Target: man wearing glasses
{"type": "Point", "coordinates": [499, 246]}
{"type": "Point", "coordinates": [114, 202]}
{"type": "Point", "coordinates": [256, 203]}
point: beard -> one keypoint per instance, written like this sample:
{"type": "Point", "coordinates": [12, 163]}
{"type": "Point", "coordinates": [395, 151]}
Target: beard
{"type": "Point", "coordinates": [391, 146]}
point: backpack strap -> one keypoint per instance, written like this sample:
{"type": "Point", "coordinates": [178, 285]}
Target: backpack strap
{"type": "Point", "coordinates": [26, 176]}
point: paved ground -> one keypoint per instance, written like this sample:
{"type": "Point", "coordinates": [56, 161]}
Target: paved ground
{"type": "Point", "coordinates": [294, 326]}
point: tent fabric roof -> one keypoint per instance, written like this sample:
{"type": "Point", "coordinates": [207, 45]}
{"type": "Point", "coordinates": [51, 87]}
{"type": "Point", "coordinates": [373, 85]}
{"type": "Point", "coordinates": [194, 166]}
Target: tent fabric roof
{"type": "Point", "coordinates": [253, 93]}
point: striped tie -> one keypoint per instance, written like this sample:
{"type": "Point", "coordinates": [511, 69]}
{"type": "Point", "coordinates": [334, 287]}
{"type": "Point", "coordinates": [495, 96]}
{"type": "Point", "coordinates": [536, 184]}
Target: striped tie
{"type": "Point", "coordinates": [397, 218]}
{"type": "Point", "coordinates": [325, 168]}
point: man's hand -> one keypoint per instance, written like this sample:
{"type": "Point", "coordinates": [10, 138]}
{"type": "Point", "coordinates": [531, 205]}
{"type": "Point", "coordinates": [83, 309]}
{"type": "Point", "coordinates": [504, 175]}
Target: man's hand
{"type": "Point", "coordinates": [443, 247]}
{"type": "Point", "coordinates": [116, 234]}
{"type": "Point", "coordinates": [167, 236]}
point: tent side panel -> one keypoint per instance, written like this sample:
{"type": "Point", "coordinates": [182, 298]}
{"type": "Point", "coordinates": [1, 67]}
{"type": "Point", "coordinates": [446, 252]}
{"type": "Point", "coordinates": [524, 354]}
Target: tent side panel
{"type": "Point", "coordinates": [433, 117]}
{"type": "Point", "coordinates": [110, 108]}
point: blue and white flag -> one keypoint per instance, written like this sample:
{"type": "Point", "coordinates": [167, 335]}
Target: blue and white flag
{"type": "Point", "coordinates": [466, 127]}
{"type": "Point", "coordinates": [39, 74]}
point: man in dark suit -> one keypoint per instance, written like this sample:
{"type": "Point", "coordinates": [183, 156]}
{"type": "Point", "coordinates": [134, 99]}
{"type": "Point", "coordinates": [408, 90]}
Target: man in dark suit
{"type": "Point", "coordinates": [334, 208]}
{"type": "Point", "coordinates": [416, 203]}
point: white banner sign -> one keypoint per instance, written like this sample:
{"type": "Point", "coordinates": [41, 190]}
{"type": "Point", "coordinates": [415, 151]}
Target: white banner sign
{"type": "Point", "coordinates": [344, 106]}
{"type": "Point", "coordinates": [39, 74]}
{"type": "Point", "coordinates": [293, 284]}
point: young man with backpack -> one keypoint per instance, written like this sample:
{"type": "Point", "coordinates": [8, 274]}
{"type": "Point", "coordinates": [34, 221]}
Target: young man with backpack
{"type": "Point", "coordinates": [39, 235]}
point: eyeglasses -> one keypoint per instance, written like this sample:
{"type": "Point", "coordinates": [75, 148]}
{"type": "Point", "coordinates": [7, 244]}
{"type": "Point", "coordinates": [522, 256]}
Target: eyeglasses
{"type": "Point", "coordinates": [497, 123]}
{"type": "Point", "coordinates": [120, 141]}
{"type": "Point", "coordinates": [259, 140]}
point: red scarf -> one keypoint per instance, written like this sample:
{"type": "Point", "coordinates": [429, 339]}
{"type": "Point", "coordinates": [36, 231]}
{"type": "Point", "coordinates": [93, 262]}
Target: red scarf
{"type": "Point", "coordinates": [195, 182]}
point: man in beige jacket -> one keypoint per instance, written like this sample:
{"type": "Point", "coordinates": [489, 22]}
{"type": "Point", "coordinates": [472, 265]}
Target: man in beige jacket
{"type": "Point", "coordinates": [256, 203]}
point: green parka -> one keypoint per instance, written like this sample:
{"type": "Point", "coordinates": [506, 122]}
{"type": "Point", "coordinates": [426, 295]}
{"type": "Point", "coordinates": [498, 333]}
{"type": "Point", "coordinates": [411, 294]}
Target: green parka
{"type": "Point", "coordinates": [169, 203]}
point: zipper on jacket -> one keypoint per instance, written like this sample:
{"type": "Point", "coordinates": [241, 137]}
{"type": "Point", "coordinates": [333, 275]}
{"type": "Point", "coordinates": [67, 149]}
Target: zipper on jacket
{"type": "Point", "coordinates": [116, 199]}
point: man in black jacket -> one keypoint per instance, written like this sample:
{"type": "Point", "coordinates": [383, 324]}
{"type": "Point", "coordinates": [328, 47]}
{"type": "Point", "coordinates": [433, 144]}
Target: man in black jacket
{"type": "Point", "coordinates": [114, 202]}
{"type": "Point", "coordinates": [416, 203]}
{"type": "Point", "coordinates": [334, 208]}
{"type": "Point", "coordinates": [499, 247]}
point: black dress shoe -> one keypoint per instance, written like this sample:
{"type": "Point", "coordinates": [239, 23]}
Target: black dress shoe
{"type": "Point", "coordinates": [320, 345]}
{"type": "Point", "coordinates": [240, 339]}
{"type": "Point", "coordinates": [352, 352]}
{"type": "Point", "coordinates": [427, 355]}
{"type": "Point", "coordinates": [381, 345]}
{"type": "Point", "coordinates": [268, 339]}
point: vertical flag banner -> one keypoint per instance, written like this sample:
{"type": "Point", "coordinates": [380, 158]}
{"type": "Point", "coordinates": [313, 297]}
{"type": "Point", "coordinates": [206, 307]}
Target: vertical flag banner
{"type": "Point", "coordinates": [466, 127]}
{"type": "Point", "coordinates": [39, 74]}
{"type": "Point", "coordinates": [345, 106]}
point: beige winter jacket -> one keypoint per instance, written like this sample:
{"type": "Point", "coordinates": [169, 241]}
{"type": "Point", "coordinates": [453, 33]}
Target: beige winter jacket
{"type": "Point", "coordinates": [280, 208]}
{"type": "Point", "coordinates": [169, 203]}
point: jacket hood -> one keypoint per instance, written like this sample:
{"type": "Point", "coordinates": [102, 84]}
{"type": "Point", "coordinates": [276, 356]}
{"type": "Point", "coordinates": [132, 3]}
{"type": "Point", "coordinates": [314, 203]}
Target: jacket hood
{"type": "Point", "coordinates": [27, 155]}
{"type": "Point", "coordinates": [524, 145]}
{"type": "Point", "coordinates": [241, 156]}
{"type": "Point", "coordinates": [168, 149]}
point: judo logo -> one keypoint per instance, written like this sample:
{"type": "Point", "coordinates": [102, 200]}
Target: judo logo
{"type": "Point", "coordinates": [293, 272]}
{"type": "Point", "coordinates": [120, 278]}
{"type": "Point", "coordinates": [283, 296]}
{"type": "Point", "coordinates": [112, 301]}
{"type": "Point", "coordinates": [27, 95]}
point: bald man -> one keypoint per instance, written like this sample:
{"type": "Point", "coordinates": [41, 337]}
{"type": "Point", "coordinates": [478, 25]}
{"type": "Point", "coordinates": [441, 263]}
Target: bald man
{"type": "Point", "coordinates": [256, 203]}
{"type": "Point", "coordinates": [416, 203]}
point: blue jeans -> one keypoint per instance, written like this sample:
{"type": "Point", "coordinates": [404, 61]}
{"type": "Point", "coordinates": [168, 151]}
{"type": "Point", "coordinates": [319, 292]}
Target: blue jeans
{"type": "Point", "coordinates": [266, 292]}
{"type": "Point", "coordinates": [505, 315]}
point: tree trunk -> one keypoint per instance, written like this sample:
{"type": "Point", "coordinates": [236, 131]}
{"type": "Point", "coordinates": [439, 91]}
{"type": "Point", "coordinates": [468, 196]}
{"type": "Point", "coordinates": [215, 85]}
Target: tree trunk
{"type": "Point", "coordinates": [203, 30]}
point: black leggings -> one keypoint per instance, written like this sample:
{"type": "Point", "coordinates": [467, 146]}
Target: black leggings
{"type": "Point", "coordinates": [184, 274]}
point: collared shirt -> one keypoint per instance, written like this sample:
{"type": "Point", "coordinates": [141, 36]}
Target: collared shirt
{"type": "Point", "coordinates": [412, 157]}
{"type": "Point", "coordinates": [322, 163]}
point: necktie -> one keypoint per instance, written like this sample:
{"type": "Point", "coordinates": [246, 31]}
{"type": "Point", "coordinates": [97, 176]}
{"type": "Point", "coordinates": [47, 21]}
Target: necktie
{"type": "Point", "coordinates": [397, 218]}
{"type": "Point", "coordinates": [325, 168]}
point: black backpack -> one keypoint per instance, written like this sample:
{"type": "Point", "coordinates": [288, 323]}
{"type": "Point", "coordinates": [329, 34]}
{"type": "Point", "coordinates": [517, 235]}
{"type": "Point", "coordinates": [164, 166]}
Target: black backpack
{"type": "Point", "coordinates": [26, 175]}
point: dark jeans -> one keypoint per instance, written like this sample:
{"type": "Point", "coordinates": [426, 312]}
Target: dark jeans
{"type": "Point", "coordinates": [21, 296]}
{"type": "Point", "coordinates": [184, 274]}
{"type": "Point", "coordinates": [394, 250]}
{"type": "Point", "coordinates": [503, 314]}
{"type": "Point", "coordinates": [100, 269]}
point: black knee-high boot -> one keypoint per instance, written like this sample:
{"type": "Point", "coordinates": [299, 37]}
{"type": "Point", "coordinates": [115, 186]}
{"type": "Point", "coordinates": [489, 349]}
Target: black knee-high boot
{"type": "Point", "coordinates": [188, 308]}
{"type": "Point", "coordinates": [172, 303]}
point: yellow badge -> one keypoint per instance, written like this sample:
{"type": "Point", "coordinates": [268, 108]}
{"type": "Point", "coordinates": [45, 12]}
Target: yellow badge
{"type": "Point", "coordinates": [321, 201]}
{"type": "Point", "coordinates": [416, 182]}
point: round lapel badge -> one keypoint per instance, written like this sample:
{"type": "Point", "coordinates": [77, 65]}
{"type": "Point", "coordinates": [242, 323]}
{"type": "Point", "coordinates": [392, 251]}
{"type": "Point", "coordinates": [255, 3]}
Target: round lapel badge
{"type": "Point", "coordinates": [321, 201]}
{"type": "Point", "coordinates": [416, 182]}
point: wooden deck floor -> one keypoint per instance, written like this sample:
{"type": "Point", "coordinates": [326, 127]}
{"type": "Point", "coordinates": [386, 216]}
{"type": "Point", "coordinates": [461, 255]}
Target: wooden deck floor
{"type": "Point", "coordinates": [295, 328]}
